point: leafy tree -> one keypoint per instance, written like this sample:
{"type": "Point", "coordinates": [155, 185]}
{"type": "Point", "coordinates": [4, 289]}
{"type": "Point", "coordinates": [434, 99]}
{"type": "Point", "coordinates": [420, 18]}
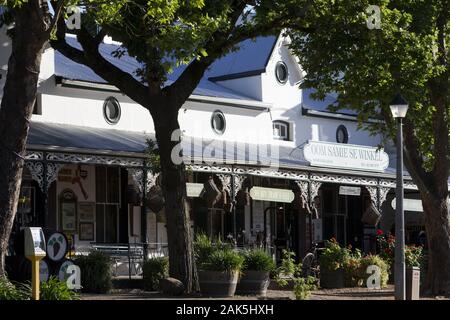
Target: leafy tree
{"type": "Point", "coordinates": [162, 35]}
{"type": "Point", "coordinates": [33, 25]}
{"type": "Point", "coordinates": [366, 67]}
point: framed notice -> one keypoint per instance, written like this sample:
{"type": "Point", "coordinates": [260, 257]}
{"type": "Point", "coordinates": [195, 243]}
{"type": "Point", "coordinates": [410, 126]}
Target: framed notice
{"type": "Point", "coordinates": [86, 211]}
{"type": "Point", "coordinates": [68, 211]}
{"type": "Point", "coordinates": [68, 216]}
{"type": "Point", "coordinates": [86, 231]}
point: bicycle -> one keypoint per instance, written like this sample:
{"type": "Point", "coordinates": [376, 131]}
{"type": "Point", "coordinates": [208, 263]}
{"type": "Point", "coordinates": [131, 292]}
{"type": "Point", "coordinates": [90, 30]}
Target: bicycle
{"type": "Point", "coordinates": [310, 263]}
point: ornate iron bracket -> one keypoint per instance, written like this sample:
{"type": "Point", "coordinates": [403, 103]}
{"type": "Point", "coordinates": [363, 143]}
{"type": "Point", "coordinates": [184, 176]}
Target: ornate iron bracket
{"type": "Point", "coordinates": [37, 170]}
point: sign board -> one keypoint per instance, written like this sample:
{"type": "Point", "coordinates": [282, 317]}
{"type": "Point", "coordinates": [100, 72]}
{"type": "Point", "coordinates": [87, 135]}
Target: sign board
{"type": "Point", "coordinates": [271, 194]}
{"type": "Point", "coordinates": [194, 190]}
{"type": "Point", "coordinates": [414, 205]}
{"type": "Point", "coordinates": [349, 191]}
{"type": "Point", "coordinates": [345, 156]}
{"type": "Point", "coordinates": [34, 242]}
{"type": "Point", "coordinates": [409, 205]}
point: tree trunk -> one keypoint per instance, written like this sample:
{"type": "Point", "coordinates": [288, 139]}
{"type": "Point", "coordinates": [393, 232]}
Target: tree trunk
{"type": "Point", "coordinates": [15, 113]}
{"type": "Point", "coordinates": [437, 224]}
{"type": "Point", "coordinates": [179, 234]}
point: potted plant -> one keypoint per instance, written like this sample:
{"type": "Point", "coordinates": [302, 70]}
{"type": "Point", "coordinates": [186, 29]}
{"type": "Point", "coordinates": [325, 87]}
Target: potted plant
{"type": "Point", "coordinates": [332, 261]}
{"type": "Point", "coordinates": [255, 277]}
{"type": "Point", "coordinates": [218, 268]}
{"type": "Point", "coordinates": [352, 267]}
{"type": "Point", "coordinates": [374, 260]}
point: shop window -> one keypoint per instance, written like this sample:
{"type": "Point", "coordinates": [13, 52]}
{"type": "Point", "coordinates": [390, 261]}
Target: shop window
{"type": "Point", "coordinates": [281, 130]}
{"type": "Point", "coordinates": [107, 189]}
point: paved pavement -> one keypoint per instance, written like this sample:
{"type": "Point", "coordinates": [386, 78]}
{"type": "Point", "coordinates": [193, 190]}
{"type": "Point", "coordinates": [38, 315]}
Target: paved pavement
{"type": "Point", "coordinates": [330, 294]}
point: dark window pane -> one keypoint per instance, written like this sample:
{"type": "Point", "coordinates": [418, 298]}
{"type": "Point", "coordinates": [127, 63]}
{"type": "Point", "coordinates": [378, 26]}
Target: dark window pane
{"type": "Point", "coordinates": [113, 185]}
{"type": "Point", "coordinates": [100, 184]}
{"type": "Point", "coordinates": [111, 223]}
{"type": "Point", "coordinates": [100, 216]}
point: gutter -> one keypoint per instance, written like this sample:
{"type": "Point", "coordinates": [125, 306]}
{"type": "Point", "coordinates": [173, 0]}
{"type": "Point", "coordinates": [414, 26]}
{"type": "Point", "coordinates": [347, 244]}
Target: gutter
{"type": "Point", "coordinates": [331, 115]}
{"type": "Point", "coordinates": [238, 103]}
{"type": "Point", "coordinates": [93, 152]}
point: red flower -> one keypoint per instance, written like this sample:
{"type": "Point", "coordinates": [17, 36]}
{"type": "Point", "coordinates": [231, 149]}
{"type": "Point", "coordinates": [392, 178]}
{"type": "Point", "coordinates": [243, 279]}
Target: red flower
{"type": "Point", "coordinates": [380, 232]}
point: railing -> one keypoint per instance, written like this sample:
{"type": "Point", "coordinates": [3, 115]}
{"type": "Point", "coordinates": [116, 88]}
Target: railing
{"type": "Point", "coordinates": [132, 254]}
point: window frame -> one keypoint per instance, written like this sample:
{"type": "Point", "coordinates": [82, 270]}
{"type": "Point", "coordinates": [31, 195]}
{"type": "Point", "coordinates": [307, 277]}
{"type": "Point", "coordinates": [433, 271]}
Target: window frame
{"type": "Point", "coordinates": [119, 109]}
{"type": "Point", "coordinates": [283, 64]}
{"type": "Point", "coordinates": [221, 114]}
{"type": "Point", "coordinates": [344, 129]}
{"type": "Point", "coordinates": [287, 127]}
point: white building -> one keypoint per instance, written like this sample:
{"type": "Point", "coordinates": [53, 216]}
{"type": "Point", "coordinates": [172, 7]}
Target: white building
{"type": "Point", "coordinates": [299, 172]}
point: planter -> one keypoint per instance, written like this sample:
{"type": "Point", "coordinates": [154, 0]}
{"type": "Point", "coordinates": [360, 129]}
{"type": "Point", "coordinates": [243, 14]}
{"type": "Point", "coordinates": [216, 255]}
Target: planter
{"type": "Point", "coordinates": [253, 283]}
{"type": "Point", "coordinates": [412, 283]}
{"type": "Point", "coordinates": [218, 283]}
{"type": "Point", "coordinates": [332, 279]}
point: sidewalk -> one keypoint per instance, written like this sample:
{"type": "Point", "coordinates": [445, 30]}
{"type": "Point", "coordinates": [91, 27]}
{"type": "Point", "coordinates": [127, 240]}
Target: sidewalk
{"type": "Point", "coordinates": [329, 294]}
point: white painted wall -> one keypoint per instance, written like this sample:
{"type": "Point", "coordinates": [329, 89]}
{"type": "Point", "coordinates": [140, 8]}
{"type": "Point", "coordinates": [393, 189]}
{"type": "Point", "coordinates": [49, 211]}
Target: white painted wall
{"type": "Point", "coordinates": [248, 86]}
{"type": "Point", "coordinates": [85, 108]}
{"type": "Point", "coordinates": [242, 124]}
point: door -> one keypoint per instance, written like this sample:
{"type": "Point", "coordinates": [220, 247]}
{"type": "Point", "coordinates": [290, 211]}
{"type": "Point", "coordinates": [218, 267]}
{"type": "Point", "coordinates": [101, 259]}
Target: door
{"type": "Point", "coordinates": [107, 188]}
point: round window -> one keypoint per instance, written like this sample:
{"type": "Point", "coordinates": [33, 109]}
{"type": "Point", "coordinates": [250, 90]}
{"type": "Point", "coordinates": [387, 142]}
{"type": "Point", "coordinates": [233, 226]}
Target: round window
{"type": "Point", "coordinates": [111, 110]}
{"type": "Point", "coordinates": [218, 122]}
{"type": "Point", "coordinates": [342, 134]}
{"type": "Point", "coordinates": [281, 72]}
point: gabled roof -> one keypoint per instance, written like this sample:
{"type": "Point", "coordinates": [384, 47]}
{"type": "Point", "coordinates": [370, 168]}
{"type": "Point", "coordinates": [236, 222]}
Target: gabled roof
{"type": "Point", "coordinates": [251, 58]}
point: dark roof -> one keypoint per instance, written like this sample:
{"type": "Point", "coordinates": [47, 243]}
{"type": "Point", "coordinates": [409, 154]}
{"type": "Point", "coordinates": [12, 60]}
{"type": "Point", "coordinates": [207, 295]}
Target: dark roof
{"type": "Point", "coordinates": [77, 137]}
{"type": "Point", "coordinates": [252, 58]}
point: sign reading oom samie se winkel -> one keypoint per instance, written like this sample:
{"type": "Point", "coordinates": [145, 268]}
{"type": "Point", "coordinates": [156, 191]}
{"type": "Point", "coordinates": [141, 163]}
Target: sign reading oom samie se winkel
{"type": "Point", "coordinates": [346, 156]}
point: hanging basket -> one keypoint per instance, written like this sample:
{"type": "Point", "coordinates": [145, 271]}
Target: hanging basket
{"type": "Point", "coordinates": [155, 199]}
{"type": "Point", "coordinates": [212, 194]}
{"type": "Point", "coordinates": [371, 216]}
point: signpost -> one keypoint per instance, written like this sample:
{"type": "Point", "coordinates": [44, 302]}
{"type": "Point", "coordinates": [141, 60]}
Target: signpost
{"type": "Point", "coordinates": [345, 156]}
{"type": "Point", "coordinates": [35, 251]}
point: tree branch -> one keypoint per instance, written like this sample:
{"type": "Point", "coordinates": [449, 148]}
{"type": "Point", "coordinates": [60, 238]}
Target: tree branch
{"type": "Point", "coordinates": [91, 57]}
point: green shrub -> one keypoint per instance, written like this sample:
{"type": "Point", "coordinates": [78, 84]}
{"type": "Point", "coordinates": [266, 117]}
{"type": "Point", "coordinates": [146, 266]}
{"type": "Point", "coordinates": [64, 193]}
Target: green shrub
{"type": "Point", "coordinates": [54, 289]}
{"type": "Point", "coordinates": [153, 271]}
{"type": "Point", "coordinates": [223, 260]}
{"type": "Point", "coordinates": [257, 260]}
{"type": "Point", "coordinates": [96, 273]}
{"type": "Point", "coordinates": [203, 249]}
{"type": "Point", "coordinates": [304, 286]}
{"type": "Point", "coordinates": [333, 257]}
{"type": "Point", "coordinates": [377, 261]}
{"type": "Point", "coordinates": [10, 291]}
{"type": "Point", "coordinates": [288, 269]}
{"type": "Point", "coordinates": [352, 267]}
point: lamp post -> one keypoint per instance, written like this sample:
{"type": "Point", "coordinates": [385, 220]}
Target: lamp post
{"type": "Point", "coordinates": [399, 107]}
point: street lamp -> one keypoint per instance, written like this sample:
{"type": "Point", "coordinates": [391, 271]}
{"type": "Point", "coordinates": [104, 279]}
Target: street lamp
{"type": "Point", "coordinates": [399, 107]}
